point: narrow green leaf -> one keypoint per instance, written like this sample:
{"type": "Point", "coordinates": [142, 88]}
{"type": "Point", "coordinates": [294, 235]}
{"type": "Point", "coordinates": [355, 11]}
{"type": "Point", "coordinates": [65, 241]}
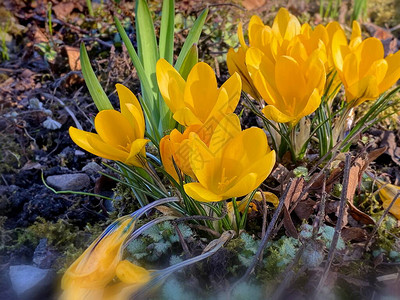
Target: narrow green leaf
{"type": "Point", "coordinates": [166, 42]}
{"type": "Point", "coordinates": [192, 38]}
{"type": "Point", "coordinates": [147, 45]}
{"type": "Point", "coordinates": [96, 91]}
{"type": "Point", "coordinates": [146, 89]}
{"type": "Point", "coordinates": [190, 60]}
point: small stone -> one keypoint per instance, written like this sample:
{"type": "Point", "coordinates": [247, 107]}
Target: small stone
{"type": "Point", "coordinates": [44, 257]}
{"type": "Point", "coordinates": [28, 281]}
{"type": "Point", "coordinates": [79, 153]}
{"type": "Point", "coordinates": [72, 182]}
{"type": "Point", "coordinates": [92, 168]}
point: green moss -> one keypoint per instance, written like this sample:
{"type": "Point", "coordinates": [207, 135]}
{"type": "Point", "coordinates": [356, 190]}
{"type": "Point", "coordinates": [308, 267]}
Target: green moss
{"type": "Point", "coordinates": [10, 154]}
{"type": "Point", "coordinates": [384, 12]}
{"type": "Point", "coordinates": [124, 201]}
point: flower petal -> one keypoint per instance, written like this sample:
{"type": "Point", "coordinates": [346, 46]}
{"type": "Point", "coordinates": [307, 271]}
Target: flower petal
{"type": "Point", "coordinates": [137, 149]}
{"type": "Point", "coordinates": [113, 128]}
{"type": "Point", "coordinates": [171, 85]}
{"type": "Point", "coordinates": [201, 90]}
{"type": "Point", "coordinates": [199, 193]}
{"type": "Point", "coordinates": [127, 98]}
{"type": "Point", "coordinates": [272, 113]}
{"type": "Point", "coordinates": [83, 138]}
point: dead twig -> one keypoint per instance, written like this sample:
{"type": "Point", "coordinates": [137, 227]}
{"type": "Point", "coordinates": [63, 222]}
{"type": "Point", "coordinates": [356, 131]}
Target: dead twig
{"type": "Point", "coordinates": [182, 240]}
{"type": "Point", "coordinates": [338, 228]}
{"type": "Point", "coordinates": [264, 240]}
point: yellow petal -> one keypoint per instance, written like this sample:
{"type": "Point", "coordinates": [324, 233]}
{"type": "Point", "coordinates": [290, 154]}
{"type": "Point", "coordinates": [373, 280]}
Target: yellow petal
{"type": "Point", "coordinates": [262, 73]}
{"type": "Point", "coordinates": [351, 72]}
{"type": "Point", "coordinates": [285, 25]}
{"type": "Point", "coordinates": [113, 128]}
{"type": "Point", "coordinates": [312, 104]}
{"type": "Point", "coordinates": [129, 273]}
{"type": "Point", "coordinates": [128, 99]}
{"type": "Point", "coordinates": [225, 131]}
{"type": "Point", "coordinates": [199, 193]}
{"type": "Point", "coordinates": [242, 187]}
{"type": "Point", "coordinates": [171, 85]}
{"type": "Point", "coordinates": [355, 38]}
{"type": "Point", "coordinates": [201, 90]}
{"type": "Point", "coordinates": [362, 90]}
{"type": "Point", "coordinates": [393, 72]}
{"type": "Point", "coordinates": [339, 49]}
{"type": "Point", "coordinates": [289, 79]}
{"type": "Point", "coordinates": [236, 64]}
{"type": "Point", "coordinates": [186, 117]}
{"type": "Point", "coordinates": [107, 151]}
{"type": "Point", "coordinates": [241, 36]}
{"type": "Point", "coordinates": [137, 149]}
{"type": "Point", "coordinates": [269, 197]}
{"type": "Point", "coordinates": [82, 138]}
{"type": "Point", "coordinates": [137, 120]}
{"type": "Point", "coordinates": [166, 153]}
{"type": "Point", "coordinates": [369, 51]}
{"type": "Point", "coordinates": [233, 87]}
{"type": "Point", "coordinates": [272, 113]}
{"type": "Point", "coordinates": [202, 160]}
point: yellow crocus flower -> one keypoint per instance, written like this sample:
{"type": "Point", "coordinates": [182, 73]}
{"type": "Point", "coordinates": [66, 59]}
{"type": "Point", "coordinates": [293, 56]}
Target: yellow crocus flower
{"type": "Point", "coordinates": [198, 100]}
{"type": "Point", "coordinates": [175, 147]}
{"type": "Point", "coordinates": [362, 67]}
{"type": "Point", "coordinates": [272, 41]}
{"type": "Point", "coordinates": [291, 88]}
{"type": "Point", "coordinates": [120, 135]}
{"type": "Point", "coordinates": [91, 275]}
{"type": "Point", "coordinates": [235, 162]}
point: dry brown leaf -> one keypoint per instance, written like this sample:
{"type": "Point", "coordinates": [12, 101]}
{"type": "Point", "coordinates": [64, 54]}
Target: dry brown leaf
{"type": "Point", "coordinates": [63, 9]}
{"type": "Point", "coordinates": [39, 36]}
{"type": "Point", "coordinates": [253, 4]}
{"type": "Point", "coordinates": [73, 58]}
{"type": "Point", "coordinates": [355, 234]}
{"type": "Point", "coordinates": [304, 209]}
{"type": "Point", "coordinates": [168, 211]}
{"type": "Point", "coordinates": [288, 223]}
{"type": "Point", "coordinates": [296, 188]}
{"type": "Point", "coordinates": [360, 216]}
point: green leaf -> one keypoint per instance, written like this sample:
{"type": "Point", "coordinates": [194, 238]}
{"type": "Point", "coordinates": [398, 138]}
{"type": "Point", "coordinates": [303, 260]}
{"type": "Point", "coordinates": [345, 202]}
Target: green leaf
{"type": "Point", "coordinates": [192, 38]}
{"type": "Point", "coordinates": [145, 84]}
{"type": "Point", "coordinates": [190, 60]}
{"type": "Point", "coordinates": [166, 42]}
{"type": "Point", "coordinates": [96, 91]}
{"type": "Point", "coordinates": [147, 45]}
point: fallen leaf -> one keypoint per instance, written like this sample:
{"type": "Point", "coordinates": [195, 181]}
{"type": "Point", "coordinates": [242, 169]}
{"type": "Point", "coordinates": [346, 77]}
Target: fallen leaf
{"type": "Point", "coordinates": [73, 58]}
{"type": "Point", "coordinates": [305, 208]}
{"type": "Point", "coordinates": [288, 224]}
{"type": "Point", "coordinates": [389, 141]}
{"type": "Point", "coordinates": [360, 216]}
{"type": "Point", "coordinates": [168, 211]}
{"type": "Point", "coordinates": [63, 9]}
{"type": "Point", "coordinates": [355, 234]}
{"type": "Point", "coordinates": [253, 4]}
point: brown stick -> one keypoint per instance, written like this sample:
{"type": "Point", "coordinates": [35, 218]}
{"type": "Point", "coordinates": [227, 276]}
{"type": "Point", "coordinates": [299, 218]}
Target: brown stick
{"type": "Point", "coordinates": [338, 228]}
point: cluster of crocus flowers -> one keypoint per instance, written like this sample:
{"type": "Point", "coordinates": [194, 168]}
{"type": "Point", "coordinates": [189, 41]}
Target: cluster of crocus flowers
{"type": "Point", "coordinates": [223, 160]}
{"type": "Point", "coordinates": [100, 272]}
{"type": "Point", "coordinates": [362, 67]}
{"type": "Point", "coordinates": [287, 64]}
{"type": "Point", "coordinates": [120, 135]}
